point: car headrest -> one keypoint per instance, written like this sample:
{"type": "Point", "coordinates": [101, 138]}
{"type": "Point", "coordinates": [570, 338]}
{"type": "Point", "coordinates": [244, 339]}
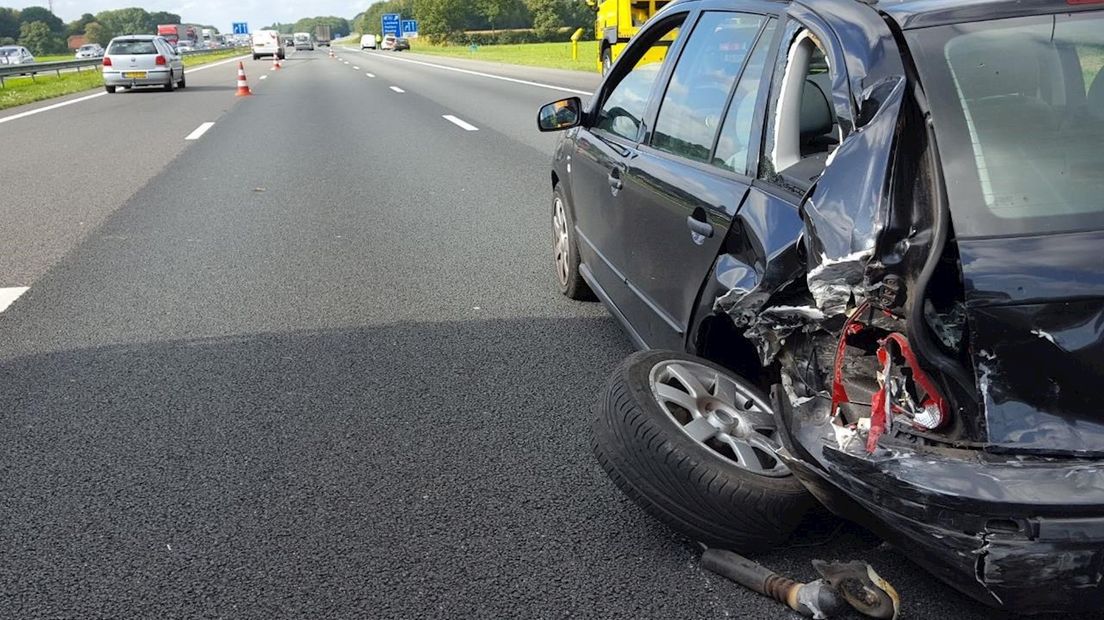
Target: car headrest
{"type": "Point", "coordinates": [1096, 94]}
{"type": "Point", "coordinates": [816, 109]}
{"type": "Point", "coordinates": [991, 69]}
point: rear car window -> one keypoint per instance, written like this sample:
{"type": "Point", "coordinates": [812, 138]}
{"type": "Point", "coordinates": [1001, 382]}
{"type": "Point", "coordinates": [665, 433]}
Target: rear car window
{"type": "Point", "coordinates": [132, 47]}
{"type": "Point", "coordinates": [1019, 110]}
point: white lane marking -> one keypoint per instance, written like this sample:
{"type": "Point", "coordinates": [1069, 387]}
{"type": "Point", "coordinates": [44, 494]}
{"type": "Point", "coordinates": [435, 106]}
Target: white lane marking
{"type": "Point", "coordinates": [371, 75]}
{"type": "Point", "coordinates": [466, 126]}
{"type": "Point", "coordinates": [397, 89]}
{"type": "Point", "coordinates": [486, 75]}
{"type": "Point", "coordinates": [217, 64]}
{"type": "Point", "coordinates": [356, 68]}
{"type": "Point", "coordinates": [9, 295]}
{"type": "Point", "coordinates": [199, 131]}
{"type": "Point", "coordinates": [89, 97]}
{"type": "Point", "coordinates": [49, 107]}
{"type": "Point", "coordinates": [264, 77]}
{"type": "Point", "coordinates": [346, 62]}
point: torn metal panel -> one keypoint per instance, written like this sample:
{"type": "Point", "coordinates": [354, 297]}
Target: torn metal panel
{"type": "Point", "coordinates": [849, 206]}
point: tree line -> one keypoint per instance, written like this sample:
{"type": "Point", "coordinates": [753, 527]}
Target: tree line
{"type": "Point", "coordinates": [42, 32]}
{"type": "Point", "coordinates": [448, 20]}
{"type": "Point", "coordinates": [339, 26]}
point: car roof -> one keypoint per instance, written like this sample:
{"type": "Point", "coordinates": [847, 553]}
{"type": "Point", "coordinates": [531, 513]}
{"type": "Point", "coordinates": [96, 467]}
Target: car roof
{"type": "Point", "coordinates": [923, 13]}
{"type": "Point", "coordinates": [136, 37]}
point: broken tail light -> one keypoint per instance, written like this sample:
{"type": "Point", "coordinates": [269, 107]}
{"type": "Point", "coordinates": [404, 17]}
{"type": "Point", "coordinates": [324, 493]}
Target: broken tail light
{"type": "Point", "coordinates": [895, 395]}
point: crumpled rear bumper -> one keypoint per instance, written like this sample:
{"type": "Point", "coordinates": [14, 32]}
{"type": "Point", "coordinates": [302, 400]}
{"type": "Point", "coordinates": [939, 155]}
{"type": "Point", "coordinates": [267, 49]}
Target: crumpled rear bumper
{"type": "Point", "coordinates": [1024, 536]}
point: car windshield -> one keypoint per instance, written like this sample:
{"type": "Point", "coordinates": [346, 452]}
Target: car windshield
{"type": "Point", "coordinates": [1019, 111]}
{"type": "Point", "coordinates": [9, 51]}
{"type": "Point", "coordinates": [132, 47]}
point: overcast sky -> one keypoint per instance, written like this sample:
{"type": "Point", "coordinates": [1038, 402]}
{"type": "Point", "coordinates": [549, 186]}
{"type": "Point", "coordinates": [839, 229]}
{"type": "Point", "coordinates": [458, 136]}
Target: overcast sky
{"type": "Point", "coordinates": [220, 14]}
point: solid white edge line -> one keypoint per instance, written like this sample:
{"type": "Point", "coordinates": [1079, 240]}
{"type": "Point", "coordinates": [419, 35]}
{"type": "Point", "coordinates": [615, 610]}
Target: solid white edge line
{"type": "Point", "coordinates": [199, 131]}
{"type": "Point", "coordinates": [93, 96]}
{"type": "Point", "coordinates": [466, 126]}
{"type": "Point", "coordinates": [481, 74]}
{"type": "Point", "coordinates": [10, 294]}
{"type": "Point", "coordinates": [397, 89]}
{"type": "Point", "coordinates": [49, 107]}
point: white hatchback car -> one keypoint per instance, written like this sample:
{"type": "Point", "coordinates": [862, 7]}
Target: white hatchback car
{"type": "Point", "coordinates": [91, 50]}
{"type": "Point", "coordinates": [142, 60]}
{"type": "Point", "coordinates": [15, 55]}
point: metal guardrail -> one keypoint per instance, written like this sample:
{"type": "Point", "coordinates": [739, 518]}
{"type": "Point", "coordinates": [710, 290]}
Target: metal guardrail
{"type": "Point", "coordinates": [33, 69]}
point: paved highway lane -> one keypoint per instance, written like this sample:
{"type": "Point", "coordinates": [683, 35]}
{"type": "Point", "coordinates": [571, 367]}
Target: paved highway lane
{"type": "Point", "coordinates": [316, 366]}
{"type": "Point", "coordinates": [78, 158]}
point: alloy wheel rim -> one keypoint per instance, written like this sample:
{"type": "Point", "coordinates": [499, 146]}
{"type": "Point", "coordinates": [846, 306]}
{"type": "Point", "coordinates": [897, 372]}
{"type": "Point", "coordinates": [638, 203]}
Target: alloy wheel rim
{"type": "Point", "coordinates": [560, 240]}
{"type": "Point", "coordinates": [719, 413]}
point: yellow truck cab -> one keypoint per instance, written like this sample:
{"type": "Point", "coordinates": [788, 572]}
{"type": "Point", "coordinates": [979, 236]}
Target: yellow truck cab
{"type": "Point", "coordinates": [616, 22]}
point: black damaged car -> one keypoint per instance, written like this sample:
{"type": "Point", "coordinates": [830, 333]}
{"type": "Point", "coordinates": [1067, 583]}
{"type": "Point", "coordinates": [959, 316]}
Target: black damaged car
{"type": "Point", "coordinates": [862, 247]}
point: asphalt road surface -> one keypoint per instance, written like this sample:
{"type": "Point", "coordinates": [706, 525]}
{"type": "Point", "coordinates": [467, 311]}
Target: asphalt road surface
{"type": "Point", "coordinates": [313, 363]}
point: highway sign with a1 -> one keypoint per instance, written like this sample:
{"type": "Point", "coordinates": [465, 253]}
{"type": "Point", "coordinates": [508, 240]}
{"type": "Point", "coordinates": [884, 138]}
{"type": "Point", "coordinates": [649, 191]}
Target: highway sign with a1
{"type": "Point", "coordinates": [241, 28]}
{"type": "Point", "coordinates": [410, 28]}
{"type": "Point", "coordinates": [392, 24]}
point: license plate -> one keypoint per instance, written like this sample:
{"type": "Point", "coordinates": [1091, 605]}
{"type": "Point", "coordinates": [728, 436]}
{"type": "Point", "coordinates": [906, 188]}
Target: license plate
{"type": "Point", "coordinates": [134, 74]}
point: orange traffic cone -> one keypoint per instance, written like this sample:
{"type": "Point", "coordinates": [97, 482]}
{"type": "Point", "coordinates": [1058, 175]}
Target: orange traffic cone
{"type": "Point", "coordinates": [243, 86]}
{"type": "Point", "coordinates": [275, 61]}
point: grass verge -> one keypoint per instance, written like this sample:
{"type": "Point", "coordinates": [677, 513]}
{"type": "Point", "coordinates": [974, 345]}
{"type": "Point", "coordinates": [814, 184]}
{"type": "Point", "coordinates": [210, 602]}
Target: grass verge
{"type": "Point", "coordinates": [553, 55]}
{"type": "Point", "coordinates": [23, 90]}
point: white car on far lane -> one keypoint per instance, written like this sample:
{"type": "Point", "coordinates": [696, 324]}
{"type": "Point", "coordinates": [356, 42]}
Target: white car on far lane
{"type": "Point", "coordinates": [368, 42]}
{"type": "Point", "coordinates": [15, 55]}
{"type": "Point", "coordinates": [91, 50]}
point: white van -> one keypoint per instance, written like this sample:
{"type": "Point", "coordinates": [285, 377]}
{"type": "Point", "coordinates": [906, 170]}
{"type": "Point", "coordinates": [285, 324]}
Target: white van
{"type": "Point", "coordinates": [368, 42]}
{"type": "Point", "coordinates": [268, 43]}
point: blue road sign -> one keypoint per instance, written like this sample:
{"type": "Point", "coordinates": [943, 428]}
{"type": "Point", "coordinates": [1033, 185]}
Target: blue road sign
{"type": "Point", "coordinates": [241, 28]}
{"type": "Point", "coordinates": [410, 27]}
{"type": "Point", "coordinates": [392, 24]}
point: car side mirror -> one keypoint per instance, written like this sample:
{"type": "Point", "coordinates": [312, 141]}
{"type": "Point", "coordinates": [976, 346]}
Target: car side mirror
{"type": "Point", "coordinates": [560, 115]}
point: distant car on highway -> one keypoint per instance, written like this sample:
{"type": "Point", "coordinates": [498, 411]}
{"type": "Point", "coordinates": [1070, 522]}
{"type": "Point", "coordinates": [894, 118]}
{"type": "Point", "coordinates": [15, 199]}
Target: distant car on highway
{"type": "Point", "coordinates": [15, 55]}
{"type": "Point", "coordinates": [368, 42]}
{"type": "Point", "coordinates": [92, 50]}
{"type": "Point", "coordinates": [185, 46]}
{"type": "Point", "coordinates": [389, 42]}
{"type": "Point", "coordinates": [268, 43]}
{"type": "Point", "coordinates": [304, 41]}
{"type": "Point", "coordinates": [142, 60]}
{"type": "Point", "coordinates": [402, 43]}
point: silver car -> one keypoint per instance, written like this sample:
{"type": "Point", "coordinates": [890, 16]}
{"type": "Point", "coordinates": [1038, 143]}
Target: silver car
{"type": "Point", "coordinates": [92, 50]}
{"type": "Point", "coordinates": [15, 55]}
{"type": "Point", "coordinates": [142, 60]}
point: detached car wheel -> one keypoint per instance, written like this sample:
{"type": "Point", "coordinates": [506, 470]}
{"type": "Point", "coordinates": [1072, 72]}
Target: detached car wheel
{"type": "Point", "coordinates": [696, 447]}
{"type": "Point", "coordinates": [566, 250]}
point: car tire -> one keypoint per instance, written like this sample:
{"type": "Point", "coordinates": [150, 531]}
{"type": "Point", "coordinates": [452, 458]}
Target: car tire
{"type": "Point", "coordinates": [282, 56]}
{"type": "Point", "coordinates": [565, 250]}
{"type": "Point", "coordinates": [171, 84]}
{"type": "Point", "coordinates": [687, 483]}
{"type": "Point", "coordinates": [607, 60]}
{"type": "Point", "coordinates": [183, 83]}
{"type": "Point", "coordinates": [256, 57]}
{"type": "Point", "coordinates": [110, 89]}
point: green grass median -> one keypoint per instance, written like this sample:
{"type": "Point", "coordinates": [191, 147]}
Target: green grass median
{"type": "Point", "coordinates": [22, 90]}
{"type": "Point", "coordinates": [553, 55]}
